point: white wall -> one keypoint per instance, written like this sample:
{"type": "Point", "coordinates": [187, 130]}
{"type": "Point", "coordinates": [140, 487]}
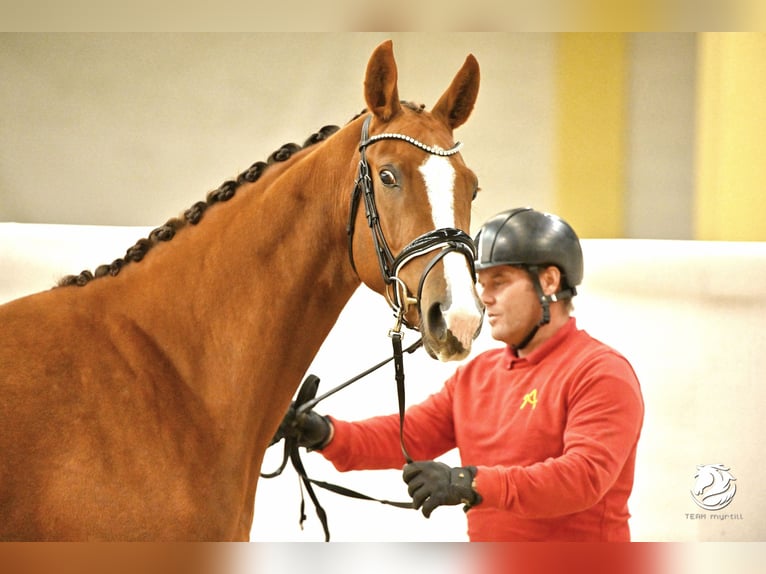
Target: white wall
{"type": "Point", "coordinates": [688, 315]}
{"type": "Point", "coordinates": [690, 318]}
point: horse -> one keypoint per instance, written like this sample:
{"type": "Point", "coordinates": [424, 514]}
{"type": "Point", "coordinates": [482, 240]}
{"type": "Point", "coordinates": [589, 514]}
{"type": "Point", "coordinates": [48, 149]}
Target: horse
{"type": "Point", "coordinates": [137, 401]}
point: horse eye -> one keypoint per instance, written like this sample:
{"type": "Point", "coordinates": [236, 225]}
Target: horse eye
{"type": "Point", "coordinates": [476, 191]}
{"type": "Point", "coordinates": [387, 178]}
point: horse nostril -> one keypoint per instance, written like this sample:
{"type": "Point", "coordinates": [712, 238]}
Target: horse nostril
{"type": "Point", "coordinates": [435, 322]}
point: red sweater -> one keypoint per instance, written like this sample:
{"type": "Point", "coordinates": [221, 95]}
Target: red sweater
{"type": "Point", "coordinates": [553, 436]}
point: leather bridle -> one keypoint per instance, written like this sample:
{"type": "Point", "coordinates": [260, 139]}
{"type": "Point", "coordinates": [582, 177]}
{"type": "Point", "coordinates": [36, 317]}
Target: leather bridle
{"type": "Point", "coordinates": [445, 240]}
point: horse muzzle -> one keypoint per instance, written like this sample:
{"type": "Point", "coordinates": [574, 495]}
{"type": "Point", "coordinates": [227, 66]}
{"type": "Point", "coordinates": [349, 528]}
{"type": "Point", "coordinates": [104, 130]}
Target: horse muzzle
{"type": "Point", "coordinates": [451, 311]}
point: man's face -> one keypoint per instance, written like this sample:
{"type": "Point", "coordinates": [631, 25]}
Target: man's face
{"type": "Point", "coordinates": [512, 306]}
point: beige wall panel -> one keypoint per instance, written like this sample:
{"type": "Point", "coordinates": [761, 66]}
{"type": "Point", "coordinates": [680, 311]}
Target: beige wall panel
{"type": "Point", "coordinates": [132, 129]}
{"type": "Point", "coordinates": [660, 154]}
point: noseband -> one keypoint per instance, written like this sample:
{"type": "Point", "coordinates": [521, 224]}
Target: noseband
{"type": "Point", "coordinates": [445, 240]}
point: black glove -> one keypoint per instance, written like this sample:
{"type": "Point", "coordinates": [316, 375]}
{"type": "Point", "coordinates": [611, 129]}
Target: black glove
{"type": "Point", "coordinates": [310, 429]}
{"type": "Point", "coordinates": [433, 484]}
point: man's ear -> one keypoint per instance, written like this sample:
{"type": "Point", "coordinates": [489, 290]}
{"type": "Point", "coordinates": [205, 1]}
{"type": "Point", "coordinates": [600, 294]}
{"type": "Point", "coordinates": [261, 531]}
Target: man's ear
{"type": "Point", "coordinates": [550, 280]}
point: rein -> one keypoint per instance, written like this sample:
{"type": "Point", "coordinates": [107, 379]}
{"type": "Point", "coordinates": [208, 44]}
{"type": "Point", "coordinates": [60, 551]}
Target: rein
{"type": "Point", "coordinates": [307, 400]}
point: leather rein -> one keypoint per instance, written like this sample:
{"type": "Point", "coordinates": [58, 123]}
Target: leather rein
{"type": "Point", "coordinates": [307, 400]}
{"type": "Point", "coordinates": [444, 241]}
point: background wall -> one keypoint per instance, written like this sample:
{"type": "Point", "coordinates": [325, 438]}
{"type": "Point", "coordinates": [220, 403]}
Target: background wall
{"type": "Point", "coordinates": [696, 345]}
{"type": "Point", "coordinates": [129, 129]}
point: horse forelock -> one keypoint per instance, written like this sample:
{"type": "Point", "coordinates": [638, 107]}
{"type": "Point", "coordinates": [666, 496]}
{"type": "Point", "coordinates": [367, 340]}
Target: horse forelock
{"type": "Point", "coordinates": [194, 214]}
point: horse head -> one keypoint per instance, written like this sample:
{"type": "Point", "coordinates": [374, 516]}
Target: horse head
{"type": "Point", "coordinates": [418, 204]}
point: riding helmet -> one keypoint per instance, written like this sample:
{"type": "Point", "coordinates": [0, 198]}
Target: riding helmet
{"type": "Point", "coordinates": [526, 237]}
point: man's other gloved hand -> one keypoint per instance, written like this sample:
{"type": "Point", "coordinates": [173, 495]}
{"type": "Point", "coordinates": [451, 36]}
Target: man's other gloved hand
{"type": "Point", "coordinates": [433, 484]}
{"type": "Point", "coordinates": [311, 430]}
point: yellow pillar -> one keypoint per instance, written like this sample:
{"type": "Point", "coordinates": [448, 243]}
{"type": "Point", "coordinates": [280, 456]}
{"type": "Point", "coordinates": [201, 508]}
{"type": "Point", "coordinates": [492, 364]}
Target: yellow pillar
{"type": "Point", "coordinates": [591, 127]}
{"type": "Point", "coordinates": [730, 201]}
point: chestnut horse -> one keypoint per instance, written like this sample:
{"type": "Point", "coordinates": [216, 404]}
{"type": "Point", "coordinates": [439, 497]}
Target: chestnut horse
{"type": "Point", "coordinates": [136, 403]}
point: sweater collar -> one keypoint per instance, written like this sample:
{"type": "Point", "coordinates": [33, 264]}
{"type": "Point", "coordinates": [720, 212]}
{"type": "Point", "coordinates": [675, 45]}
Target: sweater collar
{"type": "Point", "coordinates": [536, 356]}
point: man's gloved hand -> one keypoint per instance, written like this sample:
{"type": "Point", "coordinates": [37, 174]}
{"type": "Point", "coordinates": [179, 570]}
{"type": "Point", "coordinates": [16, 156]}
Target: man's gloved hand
{"type": "Point", "coordinates": [311, 430]}
{"type": "Point", "coordinates": [433, 484]}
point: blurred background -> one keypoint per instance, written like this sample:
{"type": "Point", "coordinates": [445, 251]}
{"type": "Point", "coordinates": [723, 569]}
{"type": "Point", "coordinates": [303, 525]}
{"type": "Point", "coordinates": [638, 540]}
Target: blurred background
{"type": "Point", "coordinates": [635, 135]}
{"type": "Point", "coordinates": [648, 143]}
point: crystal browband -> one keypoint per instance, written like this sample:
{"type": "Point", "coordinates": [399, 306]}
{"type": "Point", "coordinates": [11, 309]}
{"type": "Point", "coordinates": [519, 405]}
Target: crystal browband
{"type": "Point", "coordinates": [430, 149]}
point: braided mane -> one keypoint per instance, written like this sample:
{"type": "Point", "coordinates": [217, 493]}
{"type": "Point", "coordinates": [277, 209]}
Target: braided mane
{"type": "Point", "coordinates": [194, 214]}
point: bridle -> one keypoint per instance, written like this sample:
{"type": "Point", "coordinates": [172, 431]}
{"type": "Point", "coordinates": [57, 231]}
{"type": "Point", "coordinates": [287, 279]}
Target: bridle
{"type": "Point", "coordinates": [445, 240]}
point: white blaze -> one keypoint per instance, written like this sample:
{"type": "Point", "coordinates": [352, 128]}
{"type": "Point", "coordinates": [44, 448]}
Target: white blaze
{"type": "Point", "coordinates": [463, 316]}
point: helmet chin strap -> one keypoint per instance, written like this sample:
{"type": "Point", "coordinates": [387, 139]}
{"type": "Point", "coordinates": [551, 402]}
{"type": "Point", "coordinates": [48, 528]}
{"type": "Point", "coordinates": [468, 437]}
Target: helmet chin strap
{"type": "Point", "coordinates": [545, 303]}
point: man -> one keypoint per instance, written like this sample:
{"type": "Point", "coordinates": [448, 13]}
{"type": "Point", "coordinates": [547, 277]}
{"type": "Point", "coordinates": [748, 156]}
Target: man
{"type": "Point", "coordinates": [546, 426]}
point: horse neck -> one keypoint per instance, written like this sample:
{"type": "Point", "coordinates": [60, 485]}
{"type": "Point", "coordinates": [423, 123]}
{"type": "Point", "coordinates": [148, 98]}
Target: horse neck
{"type": "Point", "coordinates": [242, 302]}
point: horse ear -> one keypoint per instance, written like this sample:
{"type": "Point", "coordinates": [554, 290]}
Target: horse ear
{"type": "Point", "coordinates": [457, 102]}
{"type": "Point", "coordinates": [380, 89]}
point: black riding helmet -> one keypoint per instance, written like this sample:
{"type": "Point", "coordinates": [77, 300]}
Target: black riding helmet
{"type": "Point", "coordinates": [524, 237]}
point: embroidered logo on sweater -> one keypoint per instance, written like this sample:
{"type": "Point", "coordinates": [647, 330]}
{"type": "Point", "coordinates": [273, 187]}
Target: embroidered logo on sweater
{"type": "Point", "coordinates": [529, 399]}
